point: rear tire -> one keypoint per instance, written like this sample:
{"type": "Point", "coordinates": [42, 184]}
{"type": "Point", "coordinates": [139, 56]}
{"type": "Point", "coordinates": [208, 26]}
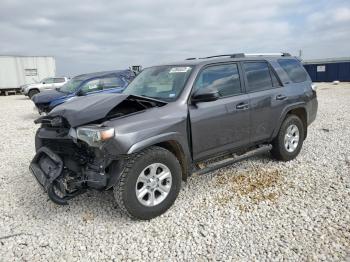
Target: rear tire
{"type": "Point", "coordinates": [290, 138]}
{"type": "Point", "coordinates": [33, 92]}
{"type": "Point", "coordinates": [149, 183]}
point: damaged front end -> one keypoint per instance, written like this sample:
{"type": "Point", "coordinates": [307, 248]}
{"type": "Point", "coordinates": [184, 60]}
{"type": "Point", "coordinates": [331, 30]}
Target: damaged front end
{"type": "Point", "coordinates": [75, 151]}
{"type": "Point", "coordinates": [66, 166]}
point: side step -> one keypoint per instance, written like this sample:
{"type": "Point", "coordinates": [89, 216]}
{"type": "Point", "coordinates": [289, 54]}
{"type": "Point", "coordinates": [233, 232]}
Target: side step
{"type": "Point", "coordinates": [232, 160]}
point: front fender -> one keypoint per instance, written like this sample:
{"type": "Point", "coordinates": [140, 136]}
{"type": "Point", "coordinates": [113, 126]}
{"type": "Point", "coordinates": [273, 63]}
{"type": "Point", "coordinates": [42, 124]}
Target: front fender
{"type": "Point", "coordinates": [171, 136]}
{"type": "Point", "coordinates": [60, 100]}
{"type": "Point", "coordinates": [117, 167]}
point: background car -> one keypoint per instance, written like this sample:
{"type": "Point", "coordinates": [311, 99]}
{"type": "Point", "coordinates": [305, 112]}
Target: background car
{"type": "Point", "coordinates": [82, 85]}
{"type": "Point", "coordinates": [45, 84]}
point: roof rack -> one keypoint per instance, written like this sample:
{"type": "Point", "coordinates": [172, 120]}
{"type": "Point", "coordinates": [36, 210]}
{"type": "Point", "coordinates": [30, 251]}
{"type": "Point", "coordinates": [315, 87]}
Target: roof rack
{"type": "Point", "coordinates": [241, 55]}
{"type": "Point", "coordinates": [214, 56]}
{"type": "Point", "coordinates": [268, 54]}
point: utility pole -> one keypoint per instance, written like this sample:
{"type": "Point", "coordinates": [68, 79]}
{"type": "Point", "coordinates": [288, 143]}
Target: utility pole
{"type": "Point", "coordinates": [300, 53]}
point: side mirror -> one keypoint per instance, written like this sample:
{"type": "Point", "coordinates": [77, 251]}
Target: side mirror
{"type": "Point", "coordinates": [205, 95]}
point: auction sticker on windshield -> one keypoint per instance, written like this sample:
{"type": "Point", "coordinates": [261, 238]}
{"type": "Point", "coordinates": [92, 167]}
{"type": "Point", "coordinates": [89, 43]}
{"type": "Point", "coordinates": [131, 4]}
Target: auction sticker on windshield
{"type": "Point", "coordinates": [182, 69]}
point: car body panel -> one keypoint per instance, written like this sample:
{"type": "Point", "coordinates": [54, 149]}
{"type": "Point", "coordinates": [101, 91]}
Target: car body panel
{"type": "Point", "coordinates": [214, 125]}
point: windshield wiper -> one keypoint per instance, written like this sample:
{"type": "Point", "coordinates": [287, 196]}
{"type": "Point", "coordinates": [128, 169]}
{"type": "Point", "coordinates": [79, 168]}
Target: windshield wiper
{"type": "Point", "coordinates": [161, 99]}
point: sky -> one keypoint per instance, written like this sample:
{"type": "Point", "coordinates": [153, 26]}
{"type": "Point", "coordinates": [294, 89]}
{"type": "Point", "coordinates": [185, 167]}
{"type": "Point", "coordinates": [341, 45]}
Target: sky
{"type": "Point", "coordinates": [87, 36]}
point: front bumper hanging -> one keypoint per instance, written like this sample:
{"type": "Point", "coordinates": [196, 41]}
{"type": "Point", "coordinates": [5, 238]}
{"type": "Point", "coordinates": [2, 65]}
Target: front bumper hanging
{"type": "Point", "coordinates": [47, 167]}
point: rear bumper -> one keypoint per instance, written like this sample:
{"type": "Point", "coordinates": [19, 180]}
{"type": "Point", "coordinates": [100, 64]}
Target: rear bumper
{"type": "Point", "coordinates": [312, 111]}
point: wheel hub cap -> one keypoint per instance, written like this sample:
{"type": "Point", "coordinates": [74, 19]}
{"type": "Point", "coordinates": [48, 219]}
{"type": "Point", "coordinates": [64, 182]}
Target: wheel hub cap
{"type": "Point", "coordinates": [291, 138]}
{"type": "Point", "coordinates": [153, 184]}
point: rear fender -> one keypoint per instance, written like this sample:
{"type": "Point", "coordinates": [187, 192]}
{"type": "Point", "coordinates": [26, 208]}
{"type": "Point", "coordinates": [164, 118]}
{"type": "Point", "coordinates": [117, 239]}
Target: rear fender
{"type": "Point", "coordinates": [284, 114]}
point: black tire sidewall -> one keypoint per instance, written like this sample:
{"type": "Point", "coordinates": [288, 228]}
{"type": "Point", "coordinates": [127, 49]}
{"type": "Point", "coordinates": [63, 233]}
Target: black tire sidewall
{"type": "Point", "coordinates": [32, 93]}
{"type": "Point", "coordinates": [284, 154]}
{"type": "Point", "coordinates": [133, 206]}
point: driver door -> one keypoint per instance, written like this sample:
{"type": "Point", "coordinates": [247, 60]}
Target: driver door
{"type": "Point", "coordinates": [48, 84]}
{"type": "Point", "coordinates": [220, 125]}
{"type": "Point", "coordinates": [91, 87]}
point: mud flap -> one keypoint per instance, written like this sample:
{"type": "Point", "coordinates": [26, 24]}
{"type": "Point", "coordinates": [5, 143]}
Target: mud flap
{"type": "Point", "coordinates": [46, 167]}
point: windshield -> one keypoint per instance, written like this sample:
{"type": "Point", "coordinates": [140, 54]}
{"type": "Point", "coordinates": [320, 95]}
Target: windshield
{"type": "Point", "coordinates": [161, 82]}
{"type": "Point", "coordinates": [71, 86]}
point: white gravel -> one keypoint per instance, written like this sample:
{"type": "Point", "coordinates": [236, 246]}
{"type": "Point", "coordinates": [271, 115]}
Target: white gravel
{"type": "Point", "coordinates": [258, 209]}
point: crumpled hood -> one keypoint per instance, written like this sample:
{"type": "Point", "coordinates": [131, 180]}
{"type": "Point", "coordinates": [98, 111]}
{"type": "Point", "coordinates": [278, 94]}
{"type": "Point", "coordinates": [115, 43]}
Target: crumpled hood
{"type": "Point", "coordinates": [47, 96]}
{"type": "Point", "coordinates": [86, 109]}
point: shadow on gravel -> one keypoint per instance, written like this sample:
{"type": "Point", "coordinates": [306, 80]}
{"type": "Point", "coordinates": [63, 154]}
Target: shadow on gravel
{"type": "Point", "coordinates": [31, 116]}
{"type": "Point", "coordinates": [22, 98]}
{"type": "Point", "coordinates": [89, 207]}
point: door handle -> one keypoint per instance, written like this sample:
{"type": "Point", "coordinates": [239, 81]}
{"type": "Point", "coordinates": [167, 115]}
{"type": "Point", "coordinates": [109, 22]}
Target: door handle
{"type": "Point", "coordinates": [281, 97]}
{"type": "Point", "coordinates": [242, 106]}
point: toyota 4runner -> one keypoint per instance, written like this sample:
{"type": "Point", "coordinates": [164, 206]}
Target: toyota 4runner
{"type": "Point", "coordinates": [143, 142]}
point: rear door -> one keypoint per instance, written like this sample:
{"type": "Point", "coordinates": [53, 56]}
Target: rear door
{"type": "Point", "coordinates": [267, 99]}
{"type": "Point", "coordinates": [91, 87]}
{"type": "Point", "coordinates": [58, 81]}
{"type": "Point", "coordinates": [223, 124]}
{"type": "Point", "coordinates": [113, 84]}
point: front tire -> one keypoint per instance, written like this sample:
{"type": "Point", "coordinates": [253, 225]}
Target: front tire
{"type": "Point", "coordinates": [33, 92]}
{"type": "Point", "coordinates": [149, 183]}
{"type": "Point", "coordinates": [290, 138]}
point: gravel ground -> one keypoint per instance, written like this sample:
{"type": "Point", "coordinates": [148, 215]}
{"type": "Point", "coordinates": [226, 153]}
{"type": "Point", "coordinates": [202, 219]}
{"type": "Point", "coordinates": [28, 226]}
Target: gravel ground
{"type": "Point", "coordinates": [258, 209]}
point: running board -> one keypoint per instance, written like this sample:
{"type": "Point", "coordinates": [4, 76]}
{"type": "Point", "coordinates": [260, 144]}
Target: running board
{"type": "Point", "coordinates": [232, 160]}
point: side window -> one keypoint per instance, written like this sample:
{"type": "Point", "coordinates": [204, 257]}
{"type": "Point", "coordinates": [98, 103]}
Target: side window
{"type": "Point", "coordinates": [92, 86]}
{"type": "Point", "coordinates": [275, 81]}
{"type": "Point", "coordinates": [294, 70]}
{"type": "Point", "coordinates": [258, 76]}
{"type": "Point", "coordinates": [58, 80]}
{"type": "Point", "coordinates": [48, 81]}
{"type": "Point", "coordinates": [224, 78]}
{"type": "Point", "coordinates": [112, 82]}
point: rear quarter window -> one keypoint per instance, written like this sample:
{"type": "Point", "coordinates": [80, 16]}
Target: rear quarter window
{"type": "Point", "coordinates": [59, 80]}
{"type": "Point", "coordinates": [294, 70]}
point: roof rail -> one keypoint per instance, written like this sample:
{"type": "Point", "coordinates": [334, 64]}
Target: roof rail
{"type": "Point", "coordinates": [268, 54]}
{"type": "Point", "coordinates": [214, 56]}
{"type": "Point", "coordinates": [241, 55]}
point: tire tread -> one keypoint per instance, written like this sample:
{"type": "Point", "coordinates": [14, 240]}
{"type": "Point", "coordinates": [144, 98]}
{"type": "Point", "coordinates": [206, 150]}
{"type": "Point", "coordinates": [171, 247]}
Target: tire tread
{"type": "Point", "coordinates": [120, 186]}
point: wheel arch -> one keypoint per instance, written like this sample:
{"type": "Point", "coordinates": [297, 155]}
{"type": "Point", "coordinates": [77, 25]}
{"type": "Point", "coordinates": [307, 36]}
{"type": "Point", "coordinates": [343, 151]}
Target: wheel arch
{"type": "Point", "coordinates": [172, 142]}
{"type": "Point", "coordinates": [33, 89]}
{"type": "Point", "coordinates": [175, 148]}
{"type": "Point", "coordinates": [300, 111]}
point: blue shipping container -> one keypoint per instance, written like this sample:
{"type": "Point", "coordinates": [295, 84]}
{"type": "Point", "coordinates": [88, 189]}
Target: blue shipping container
{"type": "Point", "coordinates": [328, 71]}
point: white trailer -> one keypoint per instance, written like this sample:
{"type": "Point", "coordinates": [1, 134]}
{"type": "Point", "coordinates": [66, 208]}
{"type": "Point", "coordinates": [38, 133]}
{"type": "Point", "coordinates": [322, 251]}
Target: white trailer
{"type": "Point", "coordinates": [20, 70]}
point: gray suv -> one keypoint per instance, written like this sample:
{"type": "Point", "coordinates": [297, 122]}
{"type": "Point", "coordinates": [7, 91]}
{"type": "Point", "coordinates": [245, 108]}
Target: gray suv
{"type": "Point", "coordinates": [144, 142]}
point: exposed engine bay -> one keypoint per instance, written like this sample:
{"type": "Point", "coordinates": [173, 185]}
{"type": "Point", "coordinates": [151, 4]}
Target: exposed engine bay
{"type": "Point", "coordinates": [66, 165]}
